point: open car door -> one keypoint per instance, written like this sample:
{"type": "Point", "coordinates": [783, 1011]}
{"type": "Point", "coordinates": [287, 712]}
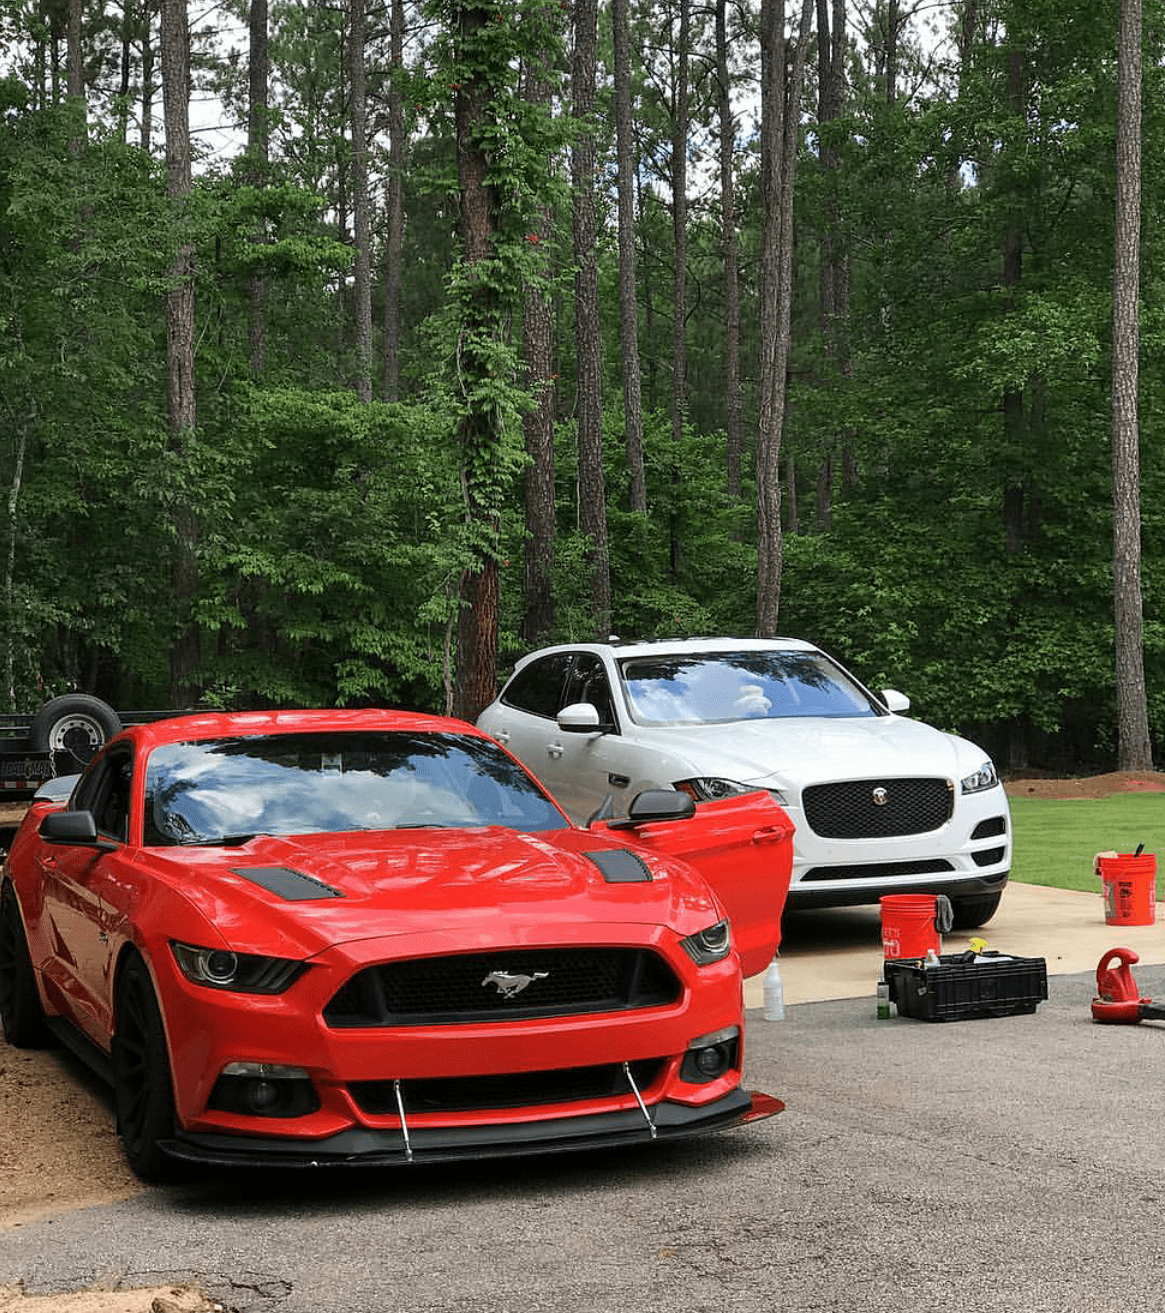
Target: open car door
{"type": "Point", "coordinates": [743, 847]}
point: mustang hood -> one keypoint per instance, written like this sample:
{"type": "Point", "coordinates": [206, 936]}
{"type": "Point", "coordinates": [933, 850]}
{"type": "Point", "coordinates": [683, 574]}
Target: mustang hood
{"type": "Point", "coordinates": [321, 890]}
{"type": "Point", "coordinates": [756, 751]}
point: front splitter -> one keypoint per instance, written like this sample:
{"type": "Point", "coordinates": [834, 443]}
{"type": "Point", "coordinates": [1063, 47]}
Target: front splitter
{"type": "Point", "coordinates": [390, 1148]}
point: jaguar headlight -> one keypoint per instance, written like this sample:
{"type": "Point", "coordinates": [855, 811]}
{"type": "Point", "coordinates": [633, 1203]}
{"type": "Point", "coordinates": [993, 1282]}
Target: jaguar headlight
{"type": "Point", "coordinates": [711, 788]}
{"type": "Point", "coordinates": [983, 778]}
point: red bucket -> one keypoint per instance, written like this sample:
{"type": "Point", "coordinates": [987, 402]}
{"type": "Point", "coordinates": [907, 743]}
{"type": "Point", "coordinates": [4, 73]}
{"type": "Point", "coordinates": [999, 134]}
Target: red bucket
{"type": "Point", "coordinates": [1130, 888]}
{"type": "Point", "coordinates": [910, 925]}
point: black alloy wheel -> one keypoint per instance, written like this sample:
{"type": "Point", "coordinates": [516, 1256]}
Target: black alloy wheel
{"type": "Point", "coordinates": [21, 1014]}
{"type": "Point", "coordinates": [142, 1088]}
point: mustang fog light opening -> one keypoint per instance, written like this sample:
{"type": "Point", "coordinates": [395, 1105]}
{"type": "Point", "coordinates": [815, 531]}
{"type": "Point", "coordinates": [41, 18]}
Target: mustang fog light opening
{"type": "Point", "coordinates": [264, 1089]}
{"type": "Point", "coordinates": [709, 1057]}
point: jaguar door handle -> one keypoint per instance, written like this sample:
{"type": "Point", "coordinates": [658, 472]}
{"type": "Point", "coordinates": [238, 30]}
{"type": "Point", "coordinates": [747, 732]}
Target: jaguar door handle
{"type": "Point", "coordinates": [502, 736]}
{"type": "Point", "coordinates": [554, 750]}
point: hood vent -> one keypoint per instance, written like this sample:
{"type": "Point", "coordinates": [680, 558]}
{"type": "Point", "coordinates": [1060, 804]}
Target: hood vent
{"type": "Point", "coordinates": [619, 866]}
{"type": "Point", "coordinates": [291, 886]}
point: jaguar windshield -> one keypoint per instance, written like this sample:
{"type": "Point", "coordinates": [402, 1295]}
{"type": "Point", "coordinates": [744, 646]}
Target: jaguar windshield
{"type": "Point", "coordinates": [228, 790]}
{"type": "Point", "coordinates": [729, 686]}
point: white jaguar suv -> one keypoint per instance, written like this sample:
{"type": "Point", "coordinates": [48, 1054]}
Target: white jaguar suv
{"type": "Point", "coordinates": [882, 804]}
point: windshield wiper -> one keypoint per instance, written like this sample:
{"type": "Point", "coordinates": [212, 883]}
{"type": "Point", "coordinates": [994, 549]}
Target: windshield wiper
{"type": "Point", "coordinates": [225, 840]}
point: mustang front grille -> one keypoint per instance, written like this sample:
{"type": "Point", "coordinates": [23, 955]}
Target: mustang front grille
{"type": "Point", "coordinates": [878, 809]}
{"type": "Point", "coordinates": [518, 1089]}
{"type": "Point", "coordinates": [505, 986]}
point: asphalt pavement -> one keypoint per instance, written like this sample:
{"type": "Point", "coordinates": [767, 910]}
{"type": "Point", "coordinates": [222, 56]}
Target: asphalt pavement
{"type": "Point", "coordinates": [1011, 1163]}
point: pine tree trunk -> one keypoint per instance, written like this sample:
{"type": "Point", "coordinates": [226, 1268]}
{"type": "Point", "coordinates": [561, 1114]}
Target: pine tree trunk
{"type": "Point", "coordinates": [628, 300]}
{"type": "Point", "coordinates": [147, 109]}
{"type": "Point", "coordinates": [729, 248]}
{"type": "Point", "coordinates": [834, 289]}
{"type": "Point", "coordinates": [679, 193]}
{"type": "Point", "coordinates": [394, 206]}
{"type": "Point", "coordinates": [361, 204]}
{"type": "Point", "coordinates": [592, 483]}
{"type": "Point", "coordinates": [1134, 751]}
{"type": "Point", "coordinates": [258, 153]}
{"type": "Point", "coordinates": [19, 433]}
{"type": "Point", "coordinates": [780, 98]}
{"type": "Point", "coordinates": [538, 428]}
{"type": "Point", "coordinates": [538, 564]}
{"type": "Point", "coordinates": [180, 338]}
{"type": "Point", "coordinates": [477, 625]}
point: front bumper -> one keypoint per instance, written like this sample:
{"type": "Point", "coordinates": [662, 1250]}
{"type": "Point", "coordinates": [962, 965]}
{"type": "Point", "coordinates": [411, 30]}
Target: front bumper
{"type": "Point", "coordinates": [967, 857]}
{"type": "Point", "coordinates": [467, 1088]}
{"type": "Point", "coordinates": [392, 1148]}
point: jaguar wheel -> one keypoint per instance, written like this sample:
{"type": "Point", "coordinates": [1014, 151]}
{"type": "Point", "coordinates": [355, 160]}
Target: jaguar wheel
{"type": "Point", "coordinates": [21, 1014]}
{"type": "Point", "coordinates": [142, 1087]}
{"type": "Point", "coordinates": [971, 913]}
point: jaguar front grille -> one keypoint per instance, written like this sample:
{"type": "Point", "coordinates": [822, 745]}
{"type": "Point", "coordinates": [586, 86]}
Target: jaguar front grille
{"type": "Point", "coordinates": [509, 985]}
{"type": "Point", "coordinates": [878, 809]}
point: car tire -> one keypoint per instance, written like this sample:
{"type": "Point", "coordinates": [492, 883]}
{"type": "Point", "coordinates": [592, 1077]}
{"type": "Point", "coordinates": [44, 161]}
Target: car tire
{"type": "Point", "coordinates": [75, 722]}
{"type": "Point", "coordinates": [143, 1091]}
{"type": "Point", "coordinates": [970, 913]}
{"type": "Point", "coordinates": [21, 1014]}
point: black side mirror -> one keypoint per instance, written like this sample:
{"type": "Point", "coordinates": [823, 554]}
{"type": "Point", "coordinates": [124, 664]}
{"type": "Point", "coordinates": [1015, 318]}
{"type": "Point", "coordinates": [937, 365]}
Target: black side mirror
{"type": "Point", "coordinates": [75, 829]}
{"type": "Point", "coordinates": [657, 805]}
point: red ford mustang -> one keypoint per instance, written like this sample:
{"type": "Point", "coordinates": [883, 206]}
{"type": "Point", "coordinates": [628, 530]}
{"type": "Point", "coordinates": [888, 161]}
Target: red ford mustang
{"type": "Point", "coordinates": [334, 937]}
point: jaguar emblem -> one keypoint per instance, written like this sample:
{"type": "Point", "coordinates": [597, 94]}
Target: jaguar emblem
{"type": "Point", "coordinates": [880, 797]}
{"type": "Point", "coordinates": [511, 983]}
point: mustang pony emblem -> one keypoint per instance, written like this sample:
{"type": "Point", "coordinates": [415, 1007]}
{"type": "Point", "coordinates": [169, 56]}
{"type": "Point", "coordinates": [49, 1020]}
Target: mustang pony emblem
{"type": "Point", "coordinates": [510, 983]}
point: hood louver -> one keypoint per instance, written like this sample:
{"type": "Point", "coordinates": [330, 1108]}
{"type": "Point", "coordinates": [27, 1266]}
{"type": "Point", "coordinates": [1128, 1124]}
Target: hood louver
{"type": "Point", "coordinates": [283, 882]}
{"type": "Point", "coordinates": [620, 866]}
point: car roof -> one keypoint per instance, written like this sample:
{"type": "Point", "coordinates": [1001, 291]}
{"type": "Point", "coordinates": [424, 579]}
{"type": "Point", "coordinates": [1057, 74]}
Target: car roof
{"type": "Point", "coordinates": [618, 649]}
{"type": "Point", "coordinates": [234, 724]}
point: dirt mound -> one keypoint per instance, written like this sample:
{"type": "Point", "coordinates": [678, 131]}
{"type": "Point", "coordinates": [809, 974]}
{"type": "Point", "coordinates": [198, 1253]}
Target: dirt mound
{"type": "Point", "coordinates": [1086, 786]}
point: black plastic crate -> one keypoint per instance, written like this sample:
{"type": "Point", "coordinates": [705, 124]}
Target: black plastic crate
{"type": "Point", "coordinates": [959, 989]}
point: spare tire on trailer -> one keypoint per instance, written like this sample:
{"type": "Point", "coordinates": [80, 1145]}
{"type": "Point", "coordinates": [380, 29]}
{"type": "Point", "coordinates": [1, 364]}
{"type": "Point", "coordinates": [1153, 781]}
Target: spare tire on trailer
{"type": "Point", "coordinates": [75, 722]}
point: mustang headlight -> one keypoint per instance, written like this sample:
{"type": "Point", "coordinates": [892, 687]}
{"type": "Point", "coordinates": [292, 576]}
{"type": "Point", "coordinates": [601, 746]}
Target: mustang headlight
{"type": "Point", "coordinates": [981, 779]}
{"type": "Point", "coordinates": [710, 945]}
{"type": "Point", "coordinates": [246, 973]}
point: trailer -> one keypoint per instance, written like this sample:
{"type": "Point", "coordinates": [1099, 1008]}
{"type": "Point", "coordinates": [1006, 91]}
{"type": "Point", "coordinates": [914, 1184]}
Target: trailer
{"type": "Point", "coordinates": [59, 739]}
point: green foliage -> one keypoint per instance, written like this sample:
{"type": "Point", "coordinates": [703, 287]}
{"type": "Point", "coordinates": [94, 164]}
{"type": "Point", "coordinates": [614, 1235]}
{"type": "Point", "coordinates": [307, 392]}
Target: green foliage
{"type": "Point", "coordinates": [333, 538]}
{"type": "Point", "coordinates": [329, 585]}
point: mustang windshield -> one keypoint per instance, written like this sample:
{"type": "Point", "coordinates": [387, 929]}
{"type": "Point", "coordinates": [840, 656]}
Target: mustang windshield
{"type": "Point", "coordinates": [728, 686]}
{"type": "Point", "coordinates": [226, 790]}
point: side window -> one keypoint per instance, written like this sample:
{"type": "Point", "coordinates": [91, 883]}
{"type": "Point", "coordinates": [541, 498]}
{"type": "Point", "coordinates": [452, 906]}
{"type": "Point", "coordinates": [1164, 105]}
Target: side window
{"type": "Point", "coordinates": [588, 683]}
{"type": "Point", "coordinates": [104, 790]}
{"type": "Point", "coordinates": [538, 688]}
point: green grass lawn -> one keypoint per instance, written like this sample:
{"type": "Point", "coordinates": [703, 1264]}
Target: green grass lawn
{"type": "Point", "coordinates": [1055, 840]}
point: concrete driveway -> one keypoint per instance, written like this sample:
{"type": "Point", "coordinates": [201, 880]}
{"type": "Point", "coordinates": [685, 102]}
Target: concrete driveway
{"type": "Point", "coordinates": [837, 953]}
